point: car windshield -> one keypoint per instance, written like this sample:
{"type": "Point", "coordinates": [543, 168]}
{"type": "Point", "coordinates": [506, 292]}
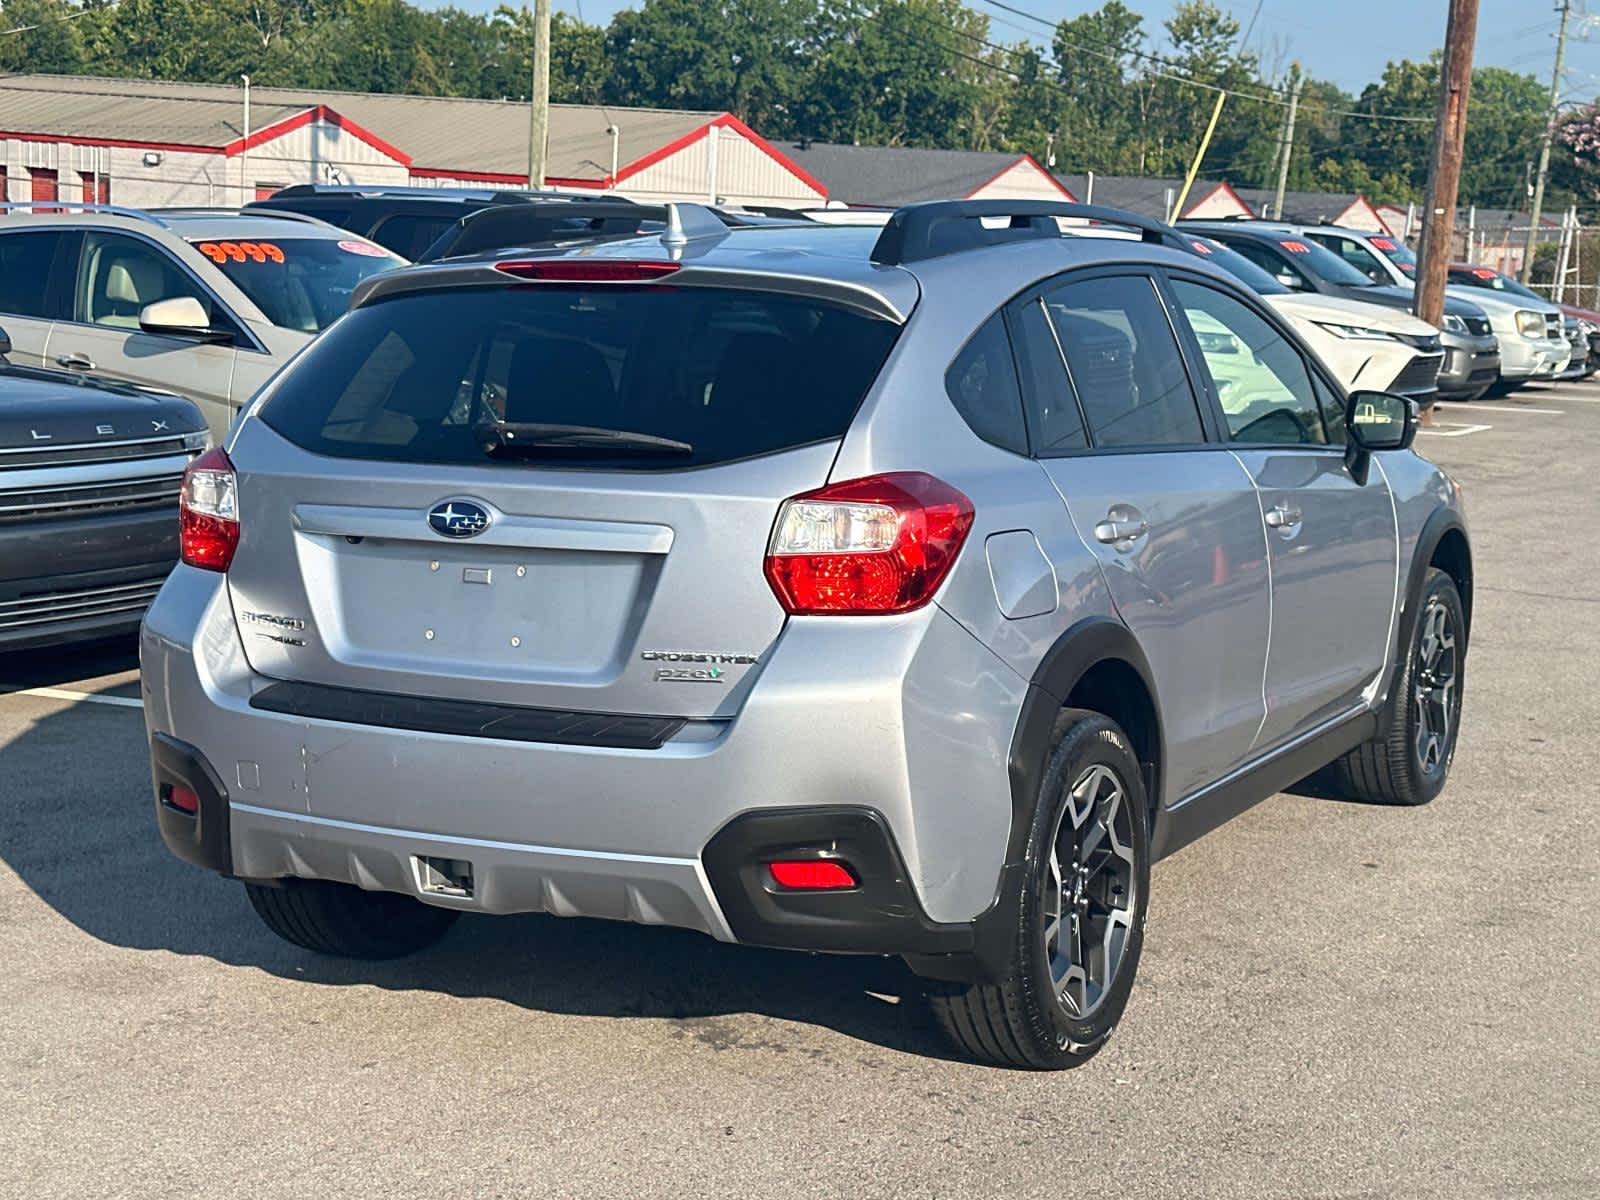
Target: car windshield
{"type": "Point", "coordinates": [1322, 262]}
{"type": "Point", "coordinates": [1485, 278]}
{"type": "Point", "coordinates": [1241, 268]}
{"type": "Point", "coordinates": [1396, 252]}
{"type": "Point", "coordinates": [298, 283]}
{"type": "Point", "coordinates": [630, 378]}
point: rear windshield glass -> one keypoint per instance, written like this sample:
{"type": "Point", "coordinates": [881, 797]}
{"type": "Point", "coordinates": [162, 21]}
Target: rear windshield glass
{"type": "Point", "coordinates": [439, 376]}
{"type": "Point", "coordinates": [298, 283]}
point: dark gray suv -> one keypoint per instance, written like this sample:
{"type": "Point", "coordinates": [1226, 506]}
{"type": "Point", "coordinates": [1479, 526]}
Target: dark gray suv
{"type": "Point", "coordinates": [902, 593]}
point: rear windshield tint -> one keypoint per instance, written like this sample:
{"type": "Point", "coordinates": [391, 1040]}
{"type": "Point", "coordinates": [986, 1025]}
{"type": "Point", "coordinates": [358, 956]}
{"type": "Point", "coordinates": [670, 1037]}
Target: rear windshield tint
{"type": "Point", "coordinates": [735, 374]}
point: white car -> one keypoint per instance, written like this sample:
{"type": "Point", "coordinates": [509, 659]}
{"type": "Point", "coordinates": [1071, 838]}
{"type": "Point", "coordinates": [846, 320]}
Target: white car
{"type": "Point", "coordinates": [1533, 341]}
{"type": "Point", "coordinates": [1366, 345]}
{"type": "Point", "coordinates": [208, 304]}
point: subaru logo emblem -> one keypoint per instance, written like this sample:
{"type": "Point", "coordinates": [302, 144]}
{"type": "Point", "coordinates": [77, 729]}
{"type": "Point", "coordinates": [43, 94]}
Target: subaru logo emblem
{"type": "Point", "coordinates": [458, 518]}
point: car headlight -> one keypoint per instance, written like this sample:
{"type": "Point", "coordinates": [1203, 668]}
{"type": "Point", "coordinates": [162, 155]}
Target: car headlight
{"type": "Point", "coordinates": [1454, 323]}
{"type": "Point", "coordinates": [1530, 324]}
{"type": "Point", "coordinates": [1357, 333]}
{"type": "Point", "coordinates": [197, 441]}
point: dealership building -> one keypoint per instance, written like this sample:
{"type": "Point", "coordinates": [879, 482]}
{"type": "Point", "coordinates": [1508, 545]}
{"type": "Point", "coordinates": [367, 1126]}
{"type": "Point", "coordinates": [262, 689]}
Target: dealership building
{"type": "Point", "coordinates": [145, 143]}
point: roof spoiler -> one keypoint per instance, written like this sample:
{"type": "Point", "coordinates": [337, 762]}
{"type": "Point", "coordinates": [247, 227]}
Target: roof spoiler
{"type": "Point", "coordinates": [922, 231]}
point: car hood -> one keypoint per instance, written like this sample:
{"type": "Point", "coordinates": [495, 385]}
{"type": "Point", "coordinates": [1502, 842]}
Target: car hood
{"type": "Point", "coordinates": [1395, 296]}
{"type": "Point", "coordinates": [1340, 310]}
{"type": "Point", "coordinates": [39, 409]}
{"type": "Point", "coordinates": [1494, 303]}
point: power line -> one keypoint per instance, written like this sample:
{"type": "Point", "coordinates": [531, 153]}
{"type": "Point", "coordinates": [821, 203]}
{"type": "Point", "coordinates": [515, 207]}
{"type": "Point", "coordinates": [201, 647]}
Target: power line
{"type": "Point", "coordinates": [1262, 93]}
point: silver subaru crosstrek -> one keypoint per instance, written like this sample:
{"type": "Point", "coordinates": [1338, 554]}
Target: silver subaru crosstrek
{"type": "Point", "coordinates": [904, 592]}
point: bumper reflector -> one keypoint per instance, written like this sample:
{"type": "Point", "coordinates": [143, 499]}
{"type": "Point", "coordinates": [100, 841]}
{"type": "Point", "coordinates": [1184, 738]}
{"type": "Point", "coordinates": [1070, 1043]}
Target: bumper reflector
{"type": "Point", "coordinates": [181, 798]}
{"type": "Point", "coordinates": [811, 875]}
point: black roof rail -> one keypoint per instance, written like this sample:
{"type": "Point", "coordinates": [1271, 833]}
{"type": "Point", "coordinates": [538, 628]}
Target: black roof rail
{"type": "Point", "coordinates": [939, 227]}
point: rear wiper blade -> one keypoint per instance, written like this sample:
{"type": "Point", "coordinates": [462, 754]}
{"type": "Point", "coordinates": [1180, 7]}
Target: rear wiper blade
{"type": "Point", "coordinates": [512, 437]}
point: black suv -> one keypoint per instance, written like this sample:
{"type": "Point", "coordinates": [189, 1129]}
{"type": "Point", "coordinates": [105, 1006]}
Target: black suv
{"type": "Point", "coordinates": [89, 479]}
{"type": "Point", "coordinates": [406, 220]}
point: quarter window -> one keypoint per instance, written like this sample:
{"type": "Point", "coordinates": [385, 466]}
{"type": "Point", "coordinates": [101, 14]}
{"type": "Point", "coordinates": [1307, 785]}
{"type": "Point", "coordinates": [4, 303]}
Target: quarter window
{"type": "Point", "coordinates": [1259, 377]}
{"type": "Point", "coordinates": [982, 383]}
{"type": "Point", "coordinates": [1123, 362]}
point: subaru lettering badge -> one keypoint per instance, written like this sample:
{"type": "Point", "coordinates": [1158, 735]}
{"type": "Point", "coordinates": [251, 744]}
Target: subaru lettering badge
{"type": "Point", "coordinates": [458, 518]}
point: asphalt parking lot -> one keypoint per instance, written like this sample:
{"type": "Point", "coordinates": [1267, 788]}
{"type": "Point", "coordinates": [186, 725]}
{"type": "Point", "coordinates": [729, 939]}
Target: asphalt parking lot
{"type": "Point", "coordinates": [1335, 1000]}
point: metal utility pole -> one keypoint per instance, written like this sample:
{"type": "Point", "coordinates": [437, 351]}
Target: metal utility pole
{"type": "Point", "coordinates": [1565, 9]}
{"type": "Point", "coordinates": [1287, 146]}
{"type": "Point", "coordinates": [1444, 173]}
{"type": "Point", "coordinates": [539, 116]}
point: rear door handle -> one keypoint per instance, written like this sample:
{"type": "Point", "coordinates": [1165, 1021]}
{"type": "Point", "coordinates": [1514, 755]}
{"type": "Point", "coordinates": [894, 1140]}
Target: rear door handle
{"type": "Point", "coordinates": [1281, 516]}
{"type": "Point", "coordinates": [1123, 526]}
{"type": "Point", "coordinates": [78, 362]}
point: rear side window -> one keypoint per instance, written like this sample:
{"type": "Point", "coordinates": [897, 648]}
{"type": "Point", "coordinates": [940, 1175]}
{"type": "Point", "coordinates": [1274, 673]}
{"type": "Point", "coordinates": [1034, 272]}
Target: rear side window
{"type": "Point", "coordinates": [409, 234]}
{"type": "Point", "coordinates": [25, 260]}
{"type": "Point", "coordinates": [431, 376]}
{"type": "Point", "coordinates": [1124, 362]}
{"type": "Point", "coordinates": [982, 383]}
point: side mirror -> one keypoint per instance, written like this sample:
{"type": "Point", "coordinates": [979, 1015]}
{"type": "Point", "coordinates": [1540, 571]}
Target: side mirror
{"type": "Point", "coordinates": [1377, 421]}
{"type": "Point", "coordinates": [5, 344]}
{"type": "Point", "coordinates": [1291, 281]}
{"type": "Point", "coordinates": [179, 316]}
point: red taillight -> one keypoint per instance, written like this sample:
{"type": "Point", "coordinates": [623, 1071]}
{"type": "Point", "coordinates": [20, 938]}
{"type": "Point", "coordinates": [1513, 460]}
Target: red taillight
{"type": "Point", "coordinates": [587, 270]}
{"type": "Point", "coordinates": [181, 798]}
{"type": "Point", "coordinates": [208, 512]}
{"type": "Point", "coordinates": [811, 875]}
{"type": "Point", "coordinates": [882, 544]}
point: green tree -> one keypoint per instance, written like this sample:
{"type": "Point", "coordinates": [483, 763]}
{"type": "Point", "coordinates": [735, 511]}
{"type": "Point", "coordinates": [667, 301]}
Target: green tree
{"type": "Point", "coordinates": [751, 57]}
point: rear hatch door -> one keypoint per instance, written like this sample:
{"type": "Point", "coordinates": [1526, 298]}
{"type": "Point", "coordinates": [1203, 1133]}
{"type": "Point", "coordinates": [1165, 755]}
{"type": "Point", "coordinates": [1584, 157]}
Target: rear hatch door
{"type": "Point", "coordinates": [544, 496]}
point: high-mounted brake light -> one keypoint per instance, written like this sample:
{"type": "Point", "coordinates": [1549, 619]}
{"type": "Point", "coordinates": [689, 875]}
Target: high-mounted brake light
{"type": "Point", "coordinates": [587, 270]}
{"type": "Point", "coordinates": [811, 875]}
{"type": "Point", "coordinates": [208, 512]}
{"type": "Point", "coordinates": [882, 544]}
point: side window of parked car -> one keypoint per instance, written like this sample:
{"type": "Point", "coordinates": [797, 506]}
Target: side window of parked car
{"type": "Point", "coordinates": [1280, 268]}
{"type": "Point", "coordinates": [118, 275]}
{"type": "Point", "coordinates": [409, 234]}
{"type": "Point", "coordinates": [1259, 377]}
{"type": "Point", "coordinates": [25, 282]}
{"type": "Point", "coordinates": [1123, 361]}
{"type": "Point", "coordinates": [982, 383]}
{"type": "Point", "coordinates": [1054, 417]}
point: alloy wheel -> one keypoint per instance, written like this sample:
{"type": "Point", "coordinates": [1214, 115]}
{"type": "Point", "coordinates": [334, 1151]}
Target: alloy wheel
{"type": "Point", "coordinates": [1434, 686]}
{"type": "Point", "coordinates": [1089, 898]}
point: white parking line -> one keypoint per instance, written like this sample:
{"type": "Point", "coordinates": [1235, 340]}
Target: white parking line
{"type": "Point", "coordinates": [1522, 408]}
{"type": "Point", "coordinates": [1445, 429]}
{"type": "Point", "coordinates": [50, 693]}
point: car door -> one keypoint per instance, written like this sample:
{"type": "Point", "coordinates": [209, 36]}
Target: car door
{"type": "Point", "coordinates": [35, 275]}
{"type": "Point", "coordinates": [118, 275]}
{"type": "Point", "coordinates": [1332, 540]}
{"type": "Point", "coordinates": [1170, 514]}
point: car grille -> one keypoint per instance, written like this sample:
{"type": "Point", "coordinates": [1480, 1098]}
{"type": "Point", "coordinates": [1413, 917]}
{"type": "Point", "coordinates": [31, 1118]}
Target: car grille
{"type": "Point", "coordinates": [43, 608]}
{"type": "Point", "coordinates": [89, 499]}
{"type": "Point", "coordinates": [94, 452]}
{"type": "Point", "coordinates": [1421, 374]}
{"type": "Point", "coordinates": [1477, 326]}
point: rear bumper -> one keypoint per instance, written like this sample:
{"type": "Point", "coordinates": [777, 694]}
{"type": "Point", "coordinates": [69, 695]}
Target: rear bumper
{"type": "Point", "coordinates": [627, 833]}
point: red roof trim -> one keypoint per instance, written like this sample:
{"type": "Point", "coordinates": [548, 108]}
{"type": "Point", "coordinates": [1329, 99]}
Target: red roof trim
{"type": "Point", "coordinates": [327, 116]}
{"type": "Point", "coordinates": [47, 138]}
{"type": "Point", "coordinates": [1012, 166]}
{"type": "Point", "coordinates": [1221, 186]}
{"type": "Point", "coordinates": [725, 121]}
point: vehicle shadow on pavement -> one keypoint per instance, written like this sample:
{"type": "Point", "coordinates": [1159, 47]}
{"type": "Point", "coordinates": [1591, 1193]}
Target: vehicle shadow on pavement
{"type": "Point", "coordinates": [76, 826]}
{"type": "Point", "coordinates": [54, 666]}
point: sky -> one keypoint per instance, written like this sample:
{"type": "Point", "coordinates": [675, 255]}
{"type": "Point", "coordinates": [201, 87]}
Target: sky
{"type": "Point", "coordinates": [1347, 41]}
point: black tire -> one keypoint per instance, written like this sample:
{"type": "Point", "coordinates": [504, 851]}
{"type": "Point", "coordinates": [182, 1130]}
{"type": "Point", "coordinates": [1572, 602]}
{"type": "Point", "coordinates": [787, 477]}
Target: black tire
{"type": "Point", "coordinates": [1394, 767]}
{"type": "Point", "coordinates": [1501, 388]}
{"type": "Point", "coordinates": [1020, 1019]}
{"type": "Point", "coordinates": [348, 922]}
